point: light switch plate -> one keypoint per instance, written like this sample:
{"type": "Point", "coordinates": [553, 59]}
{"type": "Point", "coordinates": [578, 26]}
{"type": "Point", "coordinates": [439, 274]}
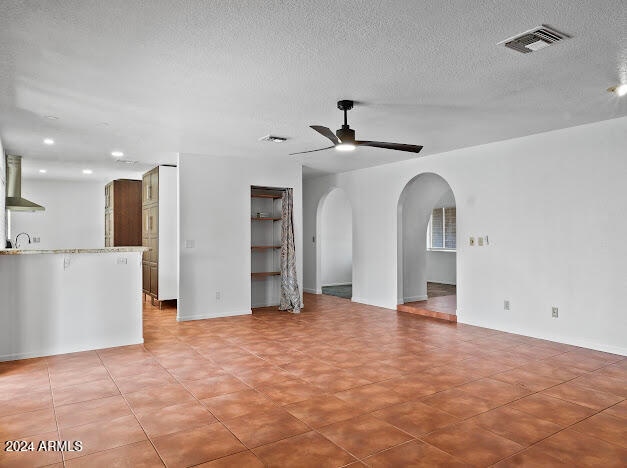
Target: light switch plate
{"type": "Point", "coordinates": [480, 241]}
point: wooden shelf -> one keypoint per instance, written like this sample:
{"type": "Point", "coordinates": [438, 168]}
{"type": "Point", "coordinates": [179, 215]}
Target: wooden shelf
{"type": "Point", "coordinates": [263, 274]}
{"type": "Point", "coordinates": [264, 247]}
{"type": "Point", "coordinates": [265, 195]}
{"type": "Point", "coordinates": [265, 219]}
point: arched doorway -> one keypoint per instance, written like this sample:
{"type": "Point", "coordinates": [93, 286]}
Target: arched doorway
{"type": "Point", "coordinates": [427, 248]}
{"type": "Point", "coordinates": [334, 245]}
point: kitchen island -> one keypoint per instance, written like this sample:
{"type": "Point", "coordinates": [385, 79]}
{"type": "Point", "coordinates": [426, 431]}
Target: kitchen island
{"type": "Point", "coordinates": [69, 300]}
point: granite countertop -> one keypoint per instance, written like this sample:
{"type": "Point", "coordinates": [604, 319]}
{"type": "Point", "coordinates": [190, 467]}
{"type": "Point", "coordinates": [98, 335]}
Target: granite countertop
{"type": "Point", "coordinates": [74, 251]}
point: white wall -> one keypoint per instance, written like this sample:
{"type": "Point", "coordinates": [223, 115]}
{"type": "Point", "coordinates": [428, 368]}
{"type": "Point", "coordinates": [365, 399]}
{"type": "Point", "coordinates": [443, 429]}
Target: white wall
{"type": "Point", "coordinates": [335, 239]}
{"type": "Point", "coordinates": [313, 193]}
{"type": "Point", "coordinates": [214, 210]}
{"type": "Point", "coordinates": [50, 307]}
{"type": "Point", "coordinates": [168, 273]}
{"type": "Point", "coordinates": [74, 215]}
{"type": "Point", "coordinates": [442, 265]}
{"type": "Point", "coordinates": [3, 190]}
{"type": "Point", "coordinates": [552, 206]}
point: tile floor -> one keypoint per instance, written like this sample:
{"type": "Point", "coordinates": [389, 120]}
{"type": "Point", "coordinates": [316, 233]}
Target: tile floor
{"type": "Point", "coordinates": [340, 384]}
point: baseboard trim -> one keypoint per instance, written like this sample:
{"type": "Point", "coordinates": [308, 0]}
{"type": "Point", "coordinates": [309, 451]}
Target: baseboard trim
{"type": "Point", "coordinates": [583, 343]}
{"type": "Point", "coordinates": [415, 298]}
{"type": "Point", "coordinates": [209, 316]}
{"type": "Point", "coordinates": [264, 304]}
{"type": "Point", "coordinates": [337, 284]}
{"type": "Point", "coordinates": [312, 291]}
{"type": "Point", "coordinates": [360, 300]}
{"type": "Point", "coordinates": [68, 350]}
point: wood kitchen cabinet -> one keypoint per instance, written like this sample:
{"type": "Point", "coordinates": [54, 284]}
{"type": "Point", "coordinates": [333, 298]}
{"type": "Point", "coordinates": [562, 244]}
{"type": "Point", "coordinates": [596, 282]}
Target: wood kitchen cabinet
{"type": "Point", "coordinates": [123, 209]}
{"type": "Point", "coordinates": [158, 232]}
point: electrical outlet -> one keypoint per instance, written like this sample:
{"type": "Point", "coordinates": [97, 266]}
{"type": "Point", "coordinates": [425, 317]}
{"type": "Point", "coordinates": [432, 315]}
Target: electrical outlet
{"type": "Point", "coordinates": [36, 240]}
{"type": "Point", "coordinates": [506, 305]}
{"type": "Point", "coordinates": [480, 241]}
{"type": "Point", "coordinates": [218, 295]}
{"type": "Point", "coordinates": [122, 261]}
{"type": "Point", "coordinates": [66, 263]}
{"type": "Point", "coordinates": [190, 244]}
{"type": "Point", "coordinates": [472, 241]}
{"type": "Point", "coordinates": [554, 312]}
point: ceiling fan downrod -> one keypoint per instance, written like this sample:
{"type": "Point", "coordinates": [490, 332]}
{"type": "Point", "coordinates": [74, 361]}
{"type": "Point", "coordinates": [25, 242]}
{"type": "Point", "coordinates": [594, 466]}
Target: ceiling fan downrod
{"type": "Point", "coordinates": [345, 134]}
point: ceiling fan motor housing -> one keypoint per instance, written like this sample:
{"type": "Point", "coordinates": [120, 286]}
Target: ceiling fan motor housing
{"type": "Point", "coordinates": [345, 104]}
{"type": "Point", "coordinates": [346, 134]}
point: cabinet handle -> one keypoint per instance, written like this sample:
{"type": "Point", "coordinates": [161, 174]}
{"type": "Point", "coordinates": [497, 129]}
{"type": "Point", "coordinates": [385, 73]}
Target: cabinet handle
{"type": "Point", "coordinates": [150, 223]}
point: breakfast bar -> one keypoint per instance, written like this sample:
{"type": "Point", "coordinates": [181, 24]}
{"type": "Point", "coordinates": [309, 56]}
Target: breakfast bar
{"type": "Point", "coordinates": [69, 300]}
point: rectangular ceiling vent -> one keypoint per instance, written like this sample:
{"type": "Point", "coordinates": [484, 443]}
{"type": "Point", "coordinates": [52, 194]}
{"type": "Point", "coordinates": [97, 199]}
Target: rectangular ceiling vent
{"type": "Point", "coordinates": [534, 39]}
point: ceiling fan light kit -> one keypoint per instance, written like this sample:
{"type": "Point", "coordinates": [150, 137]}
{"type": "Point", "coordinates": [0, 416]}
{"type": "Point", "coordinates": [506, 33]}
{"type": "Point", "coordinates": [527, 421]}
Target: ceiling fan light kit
{"type": "Point", "coordinates": [344, 138]}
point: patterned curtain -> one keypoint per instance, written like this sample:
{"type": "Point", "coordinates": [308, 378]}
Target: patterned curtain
{"type": "Point", "coordinates": [290, 296]}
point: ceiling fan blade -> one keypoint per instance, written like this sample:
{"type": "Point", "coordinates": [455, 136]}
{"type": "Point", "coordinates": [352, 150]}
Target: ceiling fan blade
{"type": "Point", "coordinates": [392, 146]}
{"type": "Point", "coordinates": [313, 151]}
{"type": "Point", "coordinates": [324, 131]}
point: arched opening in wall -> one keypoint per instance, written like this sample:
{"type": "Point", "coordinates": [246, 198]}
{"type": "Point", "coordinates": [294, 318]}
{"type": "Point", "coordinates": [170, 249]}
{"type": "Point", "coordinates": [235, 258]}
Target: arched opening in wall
{"type": "Point", "coordinates": [334, 245]}
{"type": "Point", "coordinates": [427, 248]}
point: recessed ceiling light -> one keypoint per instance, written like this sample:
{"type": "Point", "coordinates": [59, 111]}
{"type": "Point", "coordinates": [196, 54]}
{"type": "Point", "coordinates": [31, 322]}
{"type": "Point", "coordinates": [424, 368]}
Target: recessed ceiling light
{"type": "Point", "coordinates": [87, 171]}
{"type": "Point", "coordinates": [43, 171]}
{"type": "Point", "coordinates": [619, 90]}
{"type": "Point", "coordinates": [48, 141]}
{"type": "Point", "coordinates": [117, 154]}
{"type": "Point", "coordinates": [344, 147]}
{"type": "Point", "coordinates": [51, 117]}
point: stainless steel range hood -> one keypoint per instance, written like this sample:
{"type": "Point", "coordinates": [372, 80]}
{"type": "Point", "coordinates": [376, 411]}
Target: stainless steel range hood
{"type": "Point", "coordinates": [14, 201]}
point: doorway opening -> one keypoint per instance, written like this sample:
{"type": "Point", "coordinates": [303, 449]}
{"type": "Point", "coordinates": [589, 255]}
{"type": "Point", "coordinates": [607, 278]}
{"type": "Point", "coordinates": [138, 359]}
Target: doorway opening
{"type": "Point", "coordinates": [427, 248]}
{"type": "Point", "coordinates": [334, 241]}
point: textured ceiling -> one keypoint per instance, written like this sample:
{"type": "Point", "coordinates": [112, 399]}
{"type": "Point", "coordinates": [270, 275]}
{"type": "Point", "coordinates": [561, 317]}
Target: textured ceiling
{"type": "Point", "coordinates": [158, 77]}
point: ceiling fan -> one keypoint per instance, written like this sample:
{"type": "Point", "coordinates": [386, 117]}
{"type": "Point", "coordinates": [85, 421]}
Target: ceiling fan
{"type": "Point", "coordinates": [344, 138]}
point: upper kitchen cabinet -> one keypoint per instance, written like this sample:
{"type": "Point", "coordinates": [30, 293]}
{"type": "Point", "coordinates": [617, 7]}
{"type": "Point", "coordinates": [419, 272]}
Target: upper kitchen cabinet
{"type": "Point", "coordinates": [123, 211]}
{"type": "Point", "coordinates": [159, 233]}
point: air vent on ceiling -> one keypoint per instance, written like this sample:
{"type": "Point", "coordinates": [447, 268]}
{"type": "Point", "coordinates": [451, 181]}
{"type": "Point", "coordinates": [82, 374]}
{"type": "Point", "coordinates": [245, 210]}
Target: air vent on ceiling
{"type": "Point", "coordinates": [125, 161]}
{"type": "Point", "coordinates": [273, 139]}
{"type": "Point", "coordinates": [534, 39]}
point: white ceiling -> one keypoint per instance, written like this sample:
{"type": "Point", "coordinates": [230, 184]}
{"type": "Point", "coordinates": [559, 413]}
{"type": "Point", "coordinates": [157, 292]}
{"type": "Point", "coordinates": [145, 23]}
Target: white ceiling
{"type": "Point", "coordinates": [154, 78]}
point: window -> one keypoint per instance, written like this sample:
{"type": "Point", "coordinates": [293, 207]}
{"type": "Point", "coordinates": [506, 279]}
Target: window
{"type": "Point", "coordinates": [442, 230]}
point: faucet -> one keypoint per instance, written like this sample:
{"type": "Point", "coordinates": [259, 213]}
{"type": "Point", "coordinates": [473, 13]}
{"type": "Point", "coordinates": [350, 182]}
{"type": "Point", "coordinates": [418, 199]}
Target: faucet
{"type": "Point", "coordinates": [18, 236]}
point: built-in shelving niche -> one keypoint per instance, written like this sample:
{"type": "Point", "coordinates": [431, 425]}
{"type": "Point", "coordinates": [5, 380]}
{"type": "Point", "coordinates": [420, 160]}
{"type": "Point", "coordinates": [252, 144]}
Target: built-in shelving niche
{"type": "Point", "coordinates": [265, 248]}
